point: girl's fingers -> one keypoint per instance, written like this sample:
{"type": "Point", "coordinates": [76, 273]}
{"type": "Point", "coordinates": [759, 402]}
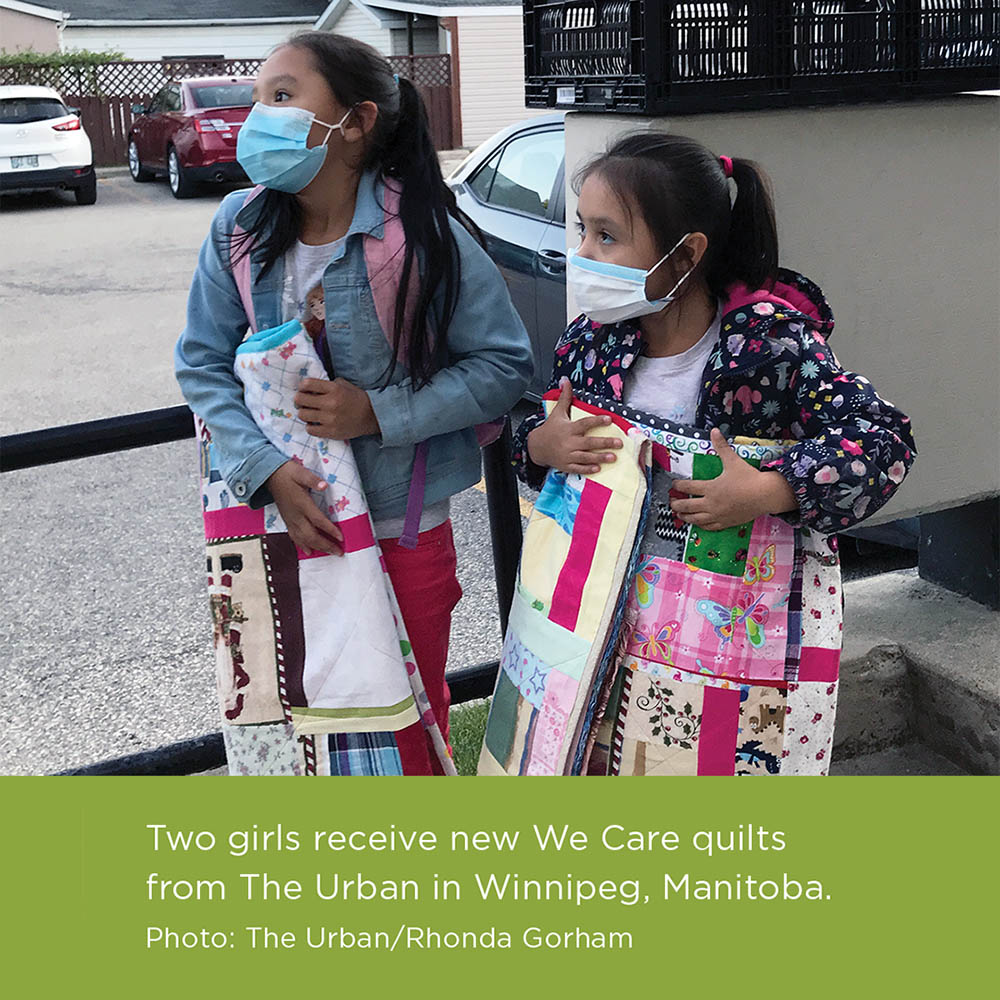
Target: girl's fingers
{"type": "Point", "coordinates": [694, 506]}
{"type": "Point", "coordinates": [321, 523]}
{"type": "Point", "coordinates": [582, 470]}
{"type": "Point", "coordinates": [598, 444]}
{"type": "Point", "coordinates": [317, 540]}
{"type": "Point", "coordinates": [701, 520]}
{"type": "Point", "coordinates": [586, 423]}
{"type": "Point", "coordinates": [589, 458]}
{"type": "Point", "coordinates": [694, 487]}
{"type": "Point", "coordinates": [306, 479]}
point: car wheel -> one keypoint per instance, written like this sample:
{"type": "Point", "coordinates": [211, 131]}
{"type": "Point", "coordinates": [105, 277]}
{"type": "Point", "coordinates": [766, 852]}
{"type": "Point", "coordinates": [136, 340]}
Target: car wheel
{"type": "Point", "coordinates": [181, 185]}
{"type": "Point", "coordinates": [86, 193]}
{"type": "Point", "coordinates": [135, 168]}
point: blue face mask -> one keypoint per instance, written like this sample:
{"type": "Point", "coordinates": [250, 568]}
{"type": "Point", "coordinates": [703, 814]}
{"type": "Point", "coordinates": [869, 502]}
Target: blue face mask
{"type": "Point", "coordinates": [611, 293]}
{"type": "Point", "coordinates": [271, 146]}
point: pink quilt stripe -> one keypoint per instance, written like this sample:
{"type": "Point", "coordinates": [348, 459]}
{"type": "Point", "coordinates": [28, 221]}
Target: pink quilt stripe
{"type": "Point", "coordinates": [231, 522]}
{"type": "Point", "coordinates": [357, 536]}
{"type": "Point", "coordinates": [568, 594]}
{"type": "Point", "coordinates": [720, 716]}
{"type": "Point", "coordinates": [819, 664]}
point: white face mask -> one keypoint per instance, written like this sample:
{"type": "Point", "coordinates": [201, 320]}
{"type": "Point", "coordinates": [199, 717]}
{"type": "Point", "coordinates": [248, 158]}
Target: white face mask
{"type": "Point", "coordinates": [610, 293]}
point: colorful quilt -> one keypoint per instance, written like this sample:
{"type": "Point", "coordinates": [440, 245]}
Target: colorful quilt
{"type": "Point", "coordinates": [315, 673]}
{"type": "Point", "coordinates": [717, 653]}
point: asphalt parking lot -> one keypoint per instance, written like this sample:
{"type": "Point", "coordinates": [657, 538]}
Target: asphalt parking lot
{"type": "Point", "coordinates": [106, 635]}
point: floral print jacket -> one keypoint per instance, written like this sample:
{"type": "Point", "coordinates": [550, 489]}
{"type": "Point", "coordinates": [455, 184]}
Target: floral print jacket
{"type": "Point", "coordinates": [771, 375]}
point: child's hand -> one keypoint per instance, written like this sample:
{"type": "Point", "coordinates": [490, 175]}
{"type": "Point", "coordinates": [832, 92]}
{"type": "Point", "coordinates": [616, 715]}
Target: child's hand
{"type": "Point", "coordinates": [560, 443]}
{"type": "Point", "coordinates": [738, 494]}
{"type": "Point", "coordinates": [338, 410]}
{"type": "Point", "coordinates": [308, 527]}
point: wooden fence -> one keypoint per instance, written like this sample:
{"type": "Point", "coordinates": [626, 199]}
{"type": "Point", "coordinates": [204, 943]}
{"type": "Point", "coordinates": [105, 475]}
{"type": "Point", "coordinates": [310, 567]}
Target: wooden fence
{"type": "Point", "coordinates": [105, 92]}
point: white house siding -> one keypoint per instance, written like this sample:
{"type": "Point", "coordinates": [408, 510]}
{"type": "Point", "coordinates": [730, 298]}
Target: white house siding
{"type": "Point", "coordinates": [491, 69]}
{"type": "Point", "coordinates": [425, 41]}
{"type": "Point", "coordinates": [359, 25]}
{"type": "Point", "coordinates": [241, 41]}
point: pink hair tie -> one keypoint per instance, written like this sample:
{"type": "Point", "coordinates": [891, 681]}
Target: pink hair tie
{"type": "Point", "coordinates": [727, 165]}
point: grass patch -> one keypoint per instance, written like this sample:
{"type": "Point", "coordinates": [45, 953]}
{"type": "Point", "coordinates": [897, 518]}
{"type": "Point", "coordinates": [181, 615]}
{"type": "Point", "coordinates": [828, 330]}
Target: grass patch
{"type": "Point", "coordinates": [468, 726]}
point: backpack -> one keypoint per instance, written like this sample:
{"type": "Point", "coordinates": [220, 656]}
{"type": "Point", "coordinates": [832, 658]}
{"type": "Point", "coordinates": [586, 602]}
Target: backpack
{"type": "Point", "coordinates": [384, 263]}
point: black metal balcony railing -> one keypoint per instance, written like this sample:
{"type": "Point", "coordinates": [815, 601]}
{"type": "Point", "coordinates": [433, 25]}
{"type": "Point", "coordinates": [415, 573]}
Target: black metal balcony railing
{"type": "Point", "coordinates": [175, 423]}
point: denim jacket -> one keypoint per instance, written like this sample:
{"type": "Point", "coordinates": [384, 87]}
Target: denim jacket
{"type": "Point", "coordinates": [490, 362]}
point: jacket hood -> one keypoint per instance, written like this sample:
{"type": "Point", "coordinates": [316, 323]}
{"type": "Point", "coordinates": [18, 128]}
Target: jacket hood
{"type": "Point", "coordinates": [793, 297]}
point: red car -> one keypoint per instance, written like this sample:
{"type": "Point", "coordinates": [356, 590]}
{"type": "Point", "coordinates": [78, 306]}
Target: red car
{"type": "Point", "coordinates": [189, 132]}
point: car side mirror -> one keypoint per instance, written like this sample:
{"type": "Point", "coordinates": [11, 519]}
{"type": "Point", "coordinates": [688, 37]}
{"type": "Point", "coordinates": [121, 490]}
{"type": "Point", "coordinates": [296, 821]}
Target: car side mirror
{"type": "Point", "coordinates": [73, 111]}
{"type": "Point", "coordinates": [138, 109]}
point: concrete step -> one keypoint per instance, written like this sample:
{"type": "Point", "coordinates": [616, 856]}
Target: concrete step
{"type": "Point", "coordinates": [919, 664]}
{"type": "Point", "coordinates": [908, 758]}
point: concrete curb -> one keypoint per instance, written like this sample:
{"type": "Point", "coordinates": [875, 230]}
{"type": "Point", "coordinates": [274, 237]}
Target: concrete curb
{"type": "Point", "coordinates": [919, 663]}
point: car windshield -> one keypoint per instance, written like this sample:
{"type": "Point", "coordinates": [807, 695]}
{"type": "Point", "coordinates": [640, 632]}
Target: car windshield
{"type": "Point", "coordinates": [223, 95]}
{"type": "Point", "coordinates": [21, 110]}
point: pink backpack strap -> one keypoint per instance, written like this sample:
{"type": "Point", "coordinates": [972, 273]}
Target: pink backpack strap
{"type": "Point", "coordinates": [241, 265]}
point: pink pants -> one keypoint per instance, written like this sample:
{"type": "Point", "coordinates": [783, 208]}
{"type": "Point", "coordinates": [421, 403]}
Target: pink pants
{"type": "Point", "coordinates": [427, 590]}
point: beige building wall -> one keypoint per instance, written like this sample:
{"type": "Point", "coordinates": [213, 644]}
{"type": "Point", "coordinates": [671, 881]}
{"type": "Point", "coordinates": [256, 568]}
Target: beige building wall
{"type": "Point", "coordinates": [894, 211]}
{"type": "Point", "coordinates": [491, 70]}
{"type": "Point", "coordinates": [19, 32]}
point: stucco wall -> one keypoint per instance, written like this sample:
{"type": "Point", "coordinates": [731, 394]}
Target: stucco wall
{"type": "Point", "coordinates": [894, 210]}
{"type": "Point", "coordinates": [20, 31]}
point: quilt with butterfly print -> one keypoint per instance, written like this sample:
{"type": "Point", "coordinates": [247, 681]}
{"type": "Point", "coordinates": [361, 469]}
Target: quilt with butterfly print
{"type": "Point", "coordinates": [315, 672]}
{"type": "Point", "coordinates": [721, 654]}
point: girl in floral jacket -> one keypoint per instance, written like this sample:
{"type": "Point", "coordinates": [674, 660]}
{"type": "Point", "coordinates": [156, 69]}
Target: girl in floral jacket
{"type": "Point", "coordinates": [688, 317]}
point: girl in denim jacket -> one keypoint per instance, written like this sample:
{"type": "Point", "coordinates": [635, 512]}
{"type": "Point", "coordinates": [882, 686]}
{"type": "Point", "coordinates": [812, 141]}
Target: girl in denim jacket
{"type": "Point", "coordinates": [421, 346]}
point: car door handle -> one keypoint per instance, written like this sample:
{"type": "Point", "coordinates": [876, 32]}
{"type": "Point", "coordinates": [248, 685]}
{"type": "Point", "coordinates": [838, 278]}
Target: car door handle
{"type": "Point", "coordinates": [553, 261]}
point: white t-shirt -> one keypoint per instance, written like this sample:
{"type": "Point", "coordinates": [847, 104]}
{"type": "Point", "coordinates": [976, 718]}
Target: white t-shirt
{"type": "Point", "coordinates": [668, 387]}
{"type": "Point", "coordinates": [304, 267]}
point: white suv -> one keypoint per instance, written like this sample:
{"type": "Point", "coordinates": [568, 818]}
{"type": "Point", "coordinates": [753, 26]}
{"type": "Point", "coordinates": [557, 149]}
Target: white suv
{"type": "Point", "coordinates": [43, 145]}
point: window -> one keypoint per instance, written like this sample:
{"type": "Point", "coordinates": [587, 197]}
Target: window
{"type": "Point", "coordinates": [22, 110]}
{"type": "Point", "coordinates": [172, 96]}
{"type": "Point", "coordinates": [159, 102]}
{"type": "Point", "coordinates": [225, 95]}
{"type": "Point", "coordinates": [483, 180]}
{"type": "Point", "coordinates": [522, 174]}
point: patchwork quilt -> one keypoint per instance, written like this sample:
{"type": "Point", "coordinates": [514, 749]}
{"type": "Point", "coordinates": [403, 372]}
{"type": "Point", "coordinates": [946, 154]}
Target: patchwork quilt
{"type": "Point", "coordinates": [639, 644]}
{"type": "Point", "coordinates": [315, 673]}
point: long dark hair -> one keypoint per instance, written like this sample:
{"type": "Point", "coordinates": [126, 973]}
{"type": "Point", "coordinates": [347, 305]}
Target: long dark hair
{"type": "Point", "coordinates": [400, 147]}
{"type": "Point", "coordinates": [678, 186]}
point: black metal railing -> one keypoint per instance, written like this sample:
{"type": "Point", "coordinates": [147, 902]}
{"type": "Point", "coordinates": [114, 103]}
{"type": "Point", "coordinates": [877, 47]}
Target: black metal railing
{"type": "Point", "coordinates": [176, 423]}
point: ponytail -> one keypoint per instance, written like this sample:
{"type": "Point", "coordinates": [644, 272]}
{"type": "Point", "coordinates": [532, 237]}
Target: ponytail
{"type": "Point", "coordinates": [425, 205]}
{"type": "Point", "coordinates": [750, 250]}
{"type": "Point", "coordinates": [678, 186]}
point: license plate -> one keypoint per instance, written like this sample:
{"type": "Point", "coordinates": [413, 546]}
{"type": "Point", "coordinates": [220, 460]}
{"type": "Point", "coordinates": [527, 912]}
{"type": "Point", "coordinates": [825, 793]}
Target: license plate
{"type": "Point", "coordinates": [23, 161]}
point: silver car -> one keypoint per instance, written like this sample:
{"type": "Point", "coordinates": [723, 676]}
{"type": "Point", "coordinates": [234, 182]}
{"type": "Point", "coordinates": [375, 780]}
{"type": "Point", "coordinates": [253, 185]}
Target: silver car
{"type": "Point", "coordinates": [512, 188]}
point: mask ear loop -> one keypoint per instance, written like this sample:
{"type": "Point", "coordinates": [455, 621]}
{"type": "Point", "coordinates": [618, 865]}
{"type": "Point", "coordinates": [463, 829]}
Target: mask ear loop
{"type": "Point", "coordinates": [330, 127]}
{"type": "Point", "coordinates": [684, 276]}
